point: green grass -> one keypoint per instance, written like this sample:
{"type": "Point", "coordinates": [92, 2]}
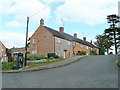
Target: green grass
{"type": "Point", "coordinates": [43, 63]}
{"type": "Point", "coordinates": [9, 65]}
{"type": "Point", "coordinates": [118, 62]}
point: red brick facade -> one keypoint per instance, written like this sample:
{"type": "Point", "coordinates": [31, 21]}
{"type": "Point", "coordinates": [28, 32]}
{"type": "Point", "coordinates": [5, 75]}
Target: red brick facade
{"type": "Point", "coordinates": [19, 50]}
{"type": "Point", "coordinates": [43, 41]}
{"type": "Point", "coordinates": [2, 49]}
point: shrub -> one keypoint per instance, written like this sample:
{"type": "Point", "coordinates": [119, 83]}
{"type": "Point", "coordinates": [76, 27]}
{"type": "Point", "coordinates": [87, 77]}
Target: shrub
{"type": "Point", "coordinates": [93, 52]}
{"type": "Point", "coordinates": [81, 53]}
{"type": "Point", "coordinates": [101, 51]}
{"type": "Point", "coordinates": [35, 56]}
{"type": "Point", "coordinates": [52, 55]}
{"type": "Point", "coordinates": [11, 59]}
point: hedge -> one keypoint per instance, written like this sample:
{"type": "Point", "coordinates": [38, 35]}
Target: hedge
{"type": "Point", "coordinates": [37, 56]}
{"type": "Point", "coordinates": [52, 55]}
{"type": "Point", "coordinates": [81, 53]}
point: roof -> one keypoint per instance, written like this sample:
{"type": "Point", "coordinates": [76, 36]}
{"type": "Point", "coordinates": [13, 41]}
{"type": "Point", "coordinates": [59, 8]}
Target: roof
{"type": "Point", "coordinates": [2, 44]}
{"type": "Point", "coordinates": [68, 37]}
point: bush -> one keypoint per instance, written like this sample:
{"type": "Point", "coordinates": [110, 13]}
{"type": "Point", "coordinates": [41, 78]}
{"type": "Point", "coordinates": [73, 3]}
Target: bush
{"type": "Point", "coordinates": [37, 56]}
{"type": "Point", "coordinates": [52, 55]}
{"type": "Point", "coordinates": [11, 59]}
{"type": "Point", "coordinates": [81, 53]}
{"type": "Point", "coordinates": [93, 52]}
{"type": "Point", "coordinates": [101, 51]}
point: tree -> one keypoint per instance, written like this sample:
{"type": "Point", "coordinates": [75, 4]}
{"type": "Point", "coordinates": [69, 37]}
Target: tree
{"type": "Point", "coordinates": [8, 52]}
{"type": "Point", "coordinates": [103, 43]}
{"type": "Point", "coordinates": [113, 32]}
{"type": "Point", "coordinates": [107, 43]}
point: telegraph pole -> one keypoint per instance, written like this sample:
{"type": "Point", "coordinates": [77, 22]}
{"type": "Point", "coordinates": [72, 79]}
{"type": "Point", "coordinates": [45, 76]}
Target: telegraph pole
{"type": "Point", "coordinates": [26, 41]}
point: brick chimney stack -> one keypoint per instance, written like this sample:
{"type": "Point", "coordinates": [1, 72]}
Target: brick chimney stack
{"type": "Point", "coordinates": [91, 41]}
{"type": "Point", "coordinates": [84, 38]}
{"type": "Point", "coordinates": [61, 29]}
{"type": "Point", "coordinates": [42, 22]}
{"type": "Point", "coordinates": [75, 35]}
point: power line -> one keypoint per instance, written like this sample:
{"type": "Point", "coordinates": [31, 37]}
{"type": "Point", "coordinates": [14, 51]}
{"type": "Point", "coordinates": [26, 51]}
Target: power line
{"type": "Point", "coordinates": [43, 8]}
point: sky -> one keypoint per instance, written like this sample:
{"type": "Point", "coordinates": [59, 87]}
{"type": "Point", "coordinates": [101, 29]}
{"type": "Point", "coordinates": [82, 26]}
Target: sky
{"type": "Point", "coordinates": [87, 18]}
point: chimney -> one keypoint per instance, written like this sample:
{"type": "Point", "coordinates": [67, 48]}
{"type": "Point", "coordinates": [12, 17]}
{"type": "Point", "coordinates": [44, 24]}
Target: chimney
{"type": "Point", "coordinates": [84, 38]}
{"type": "Point", "coordinates": [75, 35]}
{"type": "Point", "coordinates": [61, 29]}
{"type": "Point", "coordinates": [91, 41]}
{"type": "Point", "coordinates": [41, 22]}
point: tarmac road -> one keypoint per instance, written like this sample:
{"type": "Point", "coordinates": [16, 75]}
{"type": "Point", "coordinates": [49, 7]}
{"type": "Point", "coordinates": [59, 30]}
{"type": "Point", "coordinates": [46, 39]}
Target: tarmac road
{"type": "Point", "coordinates": [89, 72]}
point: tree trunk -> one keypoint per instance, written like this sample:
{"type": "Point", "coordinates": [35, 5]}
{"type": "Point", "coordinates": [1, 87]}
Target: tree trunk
{"type": "Point", "coordinates": [107, 51]}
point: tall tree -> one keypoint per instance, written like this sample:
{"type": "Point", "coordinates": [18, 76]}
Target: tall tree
{"type": "Point", "coordinates": [113, 32]}
{"type": "Point", "coordinates": [103, 43]}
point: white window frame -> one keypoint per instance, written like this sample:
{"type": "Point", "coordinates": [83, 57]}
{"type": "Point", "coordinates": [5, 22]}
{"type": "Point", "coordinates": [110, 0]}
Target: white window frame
{"type": "Point", "coordinates": [87, 47]}
{"type": "Point", "coordinates": [33, 41]}
{"type": "Point", "coordinates": [68, 43]}
{"type": "Point", "coordinates": [33, 52]}
{"type": "Point", "coordinates": [57, 39]}
{"type": "Point", "coordinates": [81, 45]}
{"type": "Point", "coordinates": [74, 43]}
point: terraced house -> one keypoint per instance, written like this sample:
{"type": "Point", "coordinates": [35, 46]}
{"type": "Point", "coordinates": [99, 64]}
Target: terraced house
{"type": "Point", "coordinates": [2, 50]}
{"type": "Point", "coordinates": [46, 40]}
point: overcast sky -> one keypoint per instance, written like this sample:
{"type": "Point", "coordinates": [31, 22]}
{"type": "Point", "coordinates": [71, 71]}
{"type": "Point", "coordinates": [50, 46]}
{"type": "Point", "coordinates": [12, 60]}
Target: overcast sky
{"type": "Point", "coordinates": [87, 18]}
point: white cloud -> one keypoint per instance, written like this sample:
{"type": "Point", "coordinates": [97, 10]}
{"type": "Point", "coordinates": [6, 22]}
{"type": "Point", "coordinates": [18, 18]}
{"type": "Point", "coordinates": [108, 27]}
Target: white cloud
{"type": "Point", "coordinates": [87, 11]}
{"type": "Point", "coordinates": [13, 24]}
{"type": "Point", "coordinates": [11, 39]}
{"type": "Point", "coordinates": [20, 9]}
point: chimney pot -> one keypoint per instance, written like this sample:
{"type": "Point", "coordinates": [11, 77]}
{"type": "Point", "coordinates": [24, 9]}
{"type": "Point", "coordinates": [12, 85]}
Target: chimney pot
{"type": "Point", "coordinates": [91, 41]}
{"type": "Point", "coordinates": [75, 35]}
{"type": "Point", "coordinates": [61, 29]}
{"type": "Point", "coordinates": [84, 38]}
{"type": "Point", "coordinates": [41, 22]}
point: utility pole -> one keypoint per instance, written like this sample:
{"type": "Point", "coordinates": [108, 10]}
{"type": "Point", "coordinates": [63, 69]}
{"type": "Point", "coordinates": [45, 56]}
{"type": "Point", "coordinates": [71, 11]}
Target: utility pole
{"type": "Point", "coordinates": [26, 41]}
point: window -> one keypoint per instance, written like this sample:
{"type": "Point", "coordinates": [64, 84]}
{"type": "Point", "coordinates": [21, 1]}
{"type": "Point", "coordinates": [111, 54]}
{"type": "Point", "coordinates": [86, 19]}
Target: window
{"type": "Point", "coordinates": [87, 54]}
{"type": "Point", "coordinates": [57, 40]}
{"type": "Point", "coordinates": [33, 52]}
{"type": "Point", "coordinates": [57, 52]}
{"type": "Point", "coordinates": [86, 47]}
{"type": "Point", "coordinates": [69, 53]}
{"type": "Point", "coordinates": [68, 42]}
{"type": "Point", "coordinates": [74, 43]}
{"type": "Point", "coordinates": [33, 41]}
{"type": "Point", "coordinates": [81, 45]}
{"type": "Point", "coordinates": [1, 50]}
{"type": "Point", "coordinates": [91, 49]}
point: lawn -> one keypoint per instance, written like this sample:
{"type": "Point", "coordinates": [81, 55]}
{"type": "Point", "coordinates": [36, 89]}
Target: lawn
{"type": "Point", "coordinates": [118, 63]}
{"type": "Point", "coordinates": [9, 65]}
{"type": "Point", "coordinates": [43, 63]}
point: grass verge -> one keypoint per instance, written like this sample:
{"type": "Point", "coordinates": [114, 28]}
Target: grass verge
{"type": "Point", "coordinates": [9, 65]}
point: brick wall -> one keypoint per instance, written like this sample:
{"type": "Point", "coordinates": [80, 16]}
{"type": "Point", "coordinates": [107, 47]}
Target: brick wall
{"type": "Point", "coordinates": [63, 48]}
{"type": "Point", "coordinates": [17, 50]}
{"type": "Point", "coordinates": [42, 41]}
{"type": "Point", "coordinates": [2, 49]}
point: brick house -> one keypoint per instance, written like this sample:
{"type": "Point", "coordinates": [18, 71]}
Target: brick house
{"type": "Point", "coordinates": [46, 40]}
{"type": "Point", "coordinates": [18, 50]}
{"type": "Point", "coordinates": [2, 50]}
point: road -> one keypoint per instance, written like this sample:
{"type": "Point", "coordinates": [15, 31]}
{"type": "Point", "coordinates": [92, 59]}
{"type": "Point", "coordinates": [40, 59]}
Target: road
{"type": "Point", "coordinates": [89, 72]}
